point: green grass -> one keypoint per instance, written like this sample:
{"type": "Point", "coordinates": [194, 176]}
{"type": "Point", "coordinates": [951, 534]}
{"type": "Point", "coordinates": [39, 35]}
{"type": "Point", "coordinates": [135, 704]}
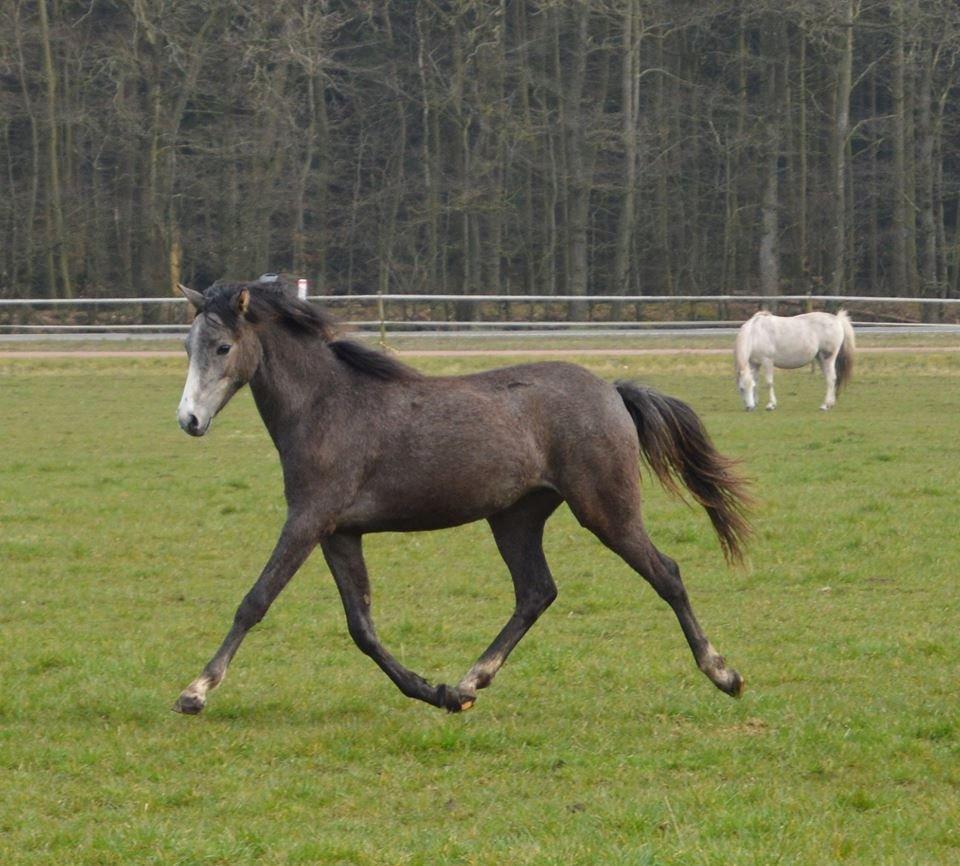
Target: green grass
{"type": "Point", "coordinates": [125, 547]}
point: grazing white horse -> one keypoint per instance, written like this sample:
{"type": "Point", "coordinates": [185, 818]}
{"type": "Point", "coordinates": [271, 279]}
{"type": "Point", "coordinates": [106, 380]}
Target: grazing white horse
{"type": "Point", "coordinates": [788, 342]}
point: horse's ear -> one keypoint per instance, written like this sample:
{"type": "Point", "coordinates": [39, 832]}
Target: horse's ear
{"type": "Point", "coordinates": [193, 296]}
{"type": "Point", "coordinates": [242, 301]}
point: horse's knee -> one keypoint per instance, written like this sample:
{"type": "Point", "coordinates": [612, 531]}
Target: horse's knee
{"type": "Point", "coordinates": [548, 597]}
{"type": "Point", "coordinates": [535, 602]}
{"type": "Point", "coordinates": [250, 611]}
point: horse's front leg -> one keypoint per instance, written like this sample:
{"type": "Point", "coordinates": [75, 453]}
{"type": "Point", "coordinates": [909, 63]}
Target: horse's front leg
{"type": "Point", "coordinates": [296, 541]}
{"type": "Point", "coordinates": [768, 375]}
{"type": "Point", "coordinates": [344, 555]}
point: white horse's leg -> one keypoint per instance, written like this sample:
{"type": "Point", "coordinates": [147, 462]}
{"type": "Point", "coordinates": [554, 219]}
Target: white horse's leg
{"type": "Point", "coordinates": [829, 366]}
{"type": "Point", "coordinates": [752, 393]}
{"type": "Point", "coordinates": [768, 375]}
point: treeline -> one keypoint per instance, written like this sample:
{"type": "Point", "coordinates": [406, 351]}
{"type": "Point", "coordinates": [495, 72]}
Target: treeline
{"type": "Point", "coordinates": [552, 147]}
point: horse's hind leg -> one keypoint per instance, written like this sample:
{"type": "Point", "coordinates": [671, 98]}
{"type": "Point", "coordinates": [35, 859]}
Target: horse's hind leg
{"type": "Point", "coordinates": [625, 535]}
{"type": "Point", "coordinates": [828, 363]}
{"type": "Point", "coordinates": [663, 574]}
{"type": "Point", "coordinates": [518, 532]}
{"type": "Point", "coordinates": [344, 555]}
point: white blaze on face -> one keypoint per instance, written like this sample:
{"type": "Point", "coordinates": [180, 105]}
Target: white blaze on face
{"type": "Point", "coordinates": [188, 400]}
{"type": "Point", "coordinates": [187, 412]}
{"type": "Point", "coordinates": [207, 387]}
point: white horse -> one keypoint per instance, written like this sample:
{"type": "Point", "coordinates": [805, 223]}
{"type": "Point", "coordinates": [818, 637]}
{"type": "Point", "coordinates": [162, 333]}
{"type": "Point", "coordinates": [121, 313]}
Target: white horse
{"type": "Point", "coordinates": [788, 342]}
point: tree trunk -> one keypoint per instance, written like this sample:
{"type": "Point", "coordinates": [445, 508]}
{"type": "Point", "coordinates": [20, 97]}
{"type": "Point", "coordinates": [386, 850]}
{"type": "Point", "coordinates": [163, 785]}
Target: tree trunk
{"type": "Point", "coordinates": [802, 251]}
{"type": "Point", "coordinates": [930, 287]}
{"type": "Point", "coordinates": [427, 157]}
{"type": "Point", "coordinates": [841, 129]}
{"type": "Point", "coordinates": [662, 209]}
{"type": "Point", "coordinates": [900, 204]}
{"type": "Point", "coordinates": [873, 245]}
{"type": "Point", "coordinates": [58, 260]}
{"type": "Point", "coordinates": [630, 94]}
{"type": "Point", "coordinates": [577, 159]}
{"type": "Point", "coordinates": [32, 200]}
{"type": "Point", "coordinates": [770, 208]}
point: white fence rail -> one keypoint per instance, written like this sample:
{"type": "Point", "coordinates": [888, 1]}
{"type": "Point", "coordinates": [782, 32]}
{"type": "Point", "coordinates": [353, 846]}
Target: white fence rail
{"type": "Point", "coordinates": [481, 315]}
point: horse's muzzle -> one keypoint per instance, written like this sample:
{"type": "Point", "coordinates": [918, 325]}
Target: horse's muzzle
{"type": "Point", "coordinates": [191, 424]}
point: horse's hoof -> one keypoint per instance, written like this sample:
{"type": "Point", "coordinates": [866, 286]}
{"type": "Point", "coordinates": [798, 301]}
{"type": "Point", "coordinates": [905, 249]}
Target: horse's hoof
{"type": "Point", "coordinates": [734, 685]}
{"type": "Point", "coordinates": [453, 700]}
{"type": "Point", "coordinates": [770, 407]}
{"type": "Point", "coordinates": [739, 685]}
{"type": "Point", "coordinates": [189, 705]}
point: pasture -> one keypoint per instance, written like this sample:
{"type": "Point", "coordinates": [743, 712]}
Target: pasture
{"type": "Point", "coordinates": [126, 547]}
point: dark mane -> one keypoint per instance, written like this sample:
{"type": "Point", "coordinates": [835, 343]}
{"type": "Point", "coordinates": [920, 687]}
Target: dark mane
{"type": "Point", "coordinates": [373, 362]}
{"type": "Point", "coordinates": [271, 303]}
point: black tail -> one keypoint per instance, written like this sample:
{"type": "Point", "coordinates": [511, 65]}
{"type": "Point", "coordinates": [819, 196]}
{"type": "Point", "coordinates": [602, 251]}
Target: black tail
{"type": "Point", "coordinates": [675, 444]}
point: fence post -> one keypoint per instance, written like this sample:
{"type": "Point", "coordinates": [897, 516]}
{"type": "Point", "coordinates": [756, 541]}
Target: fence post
{"type": "Point", "coordinates": [383, 324]}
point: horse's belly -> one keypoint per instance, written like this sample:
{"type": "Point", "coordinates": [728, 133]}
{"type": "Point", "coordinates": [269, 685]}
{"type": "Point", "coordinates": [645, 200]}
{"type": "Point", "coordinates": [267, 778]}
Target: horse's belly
{"type": "Point", "coordinates": [448, 490]}
{"type": "Point", "coordinates": [789, 359]}
{"type": "Point", "coordinates": [413, 512]}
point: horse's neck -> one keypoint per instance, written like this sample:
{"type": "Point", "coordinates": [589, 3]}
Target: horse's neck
{"type": "Point", "coordinates": [743, 344]}
{"type": "Point", "coordinates": [293, 377]}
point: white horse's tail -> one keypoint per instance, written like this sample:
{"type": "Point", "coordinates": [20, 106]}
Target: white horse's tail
{"type": "Point", "coordinates": [844, 365]}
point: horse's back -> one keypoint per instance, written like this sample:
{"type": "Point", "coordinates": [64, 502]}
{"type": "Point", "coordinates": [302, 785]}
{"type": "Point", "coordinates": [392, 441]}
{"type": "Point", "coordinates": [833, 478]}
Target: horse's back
{"type": "Point", "coordinates": [792, 341]}
{"type": "Point", "coordinates": [537, 402]}
{"type": "Point", "coordinates": [458, 448]}
{"type": "Point", "coordinates": [561, 402]}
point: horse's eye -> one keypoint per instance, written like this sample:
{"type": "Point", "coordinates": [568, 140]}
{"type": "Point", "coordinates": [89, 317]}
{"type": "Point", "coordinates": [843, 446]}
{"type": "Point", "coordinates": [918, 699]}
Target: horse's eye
{"type": "Point", "coordinates": [223, 348]}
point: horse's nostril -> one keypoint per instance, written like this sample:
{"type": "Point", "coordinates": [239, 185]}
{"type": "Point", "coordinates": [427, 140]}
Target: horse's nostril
{"type": "Point", "coordinates": [193, 424]}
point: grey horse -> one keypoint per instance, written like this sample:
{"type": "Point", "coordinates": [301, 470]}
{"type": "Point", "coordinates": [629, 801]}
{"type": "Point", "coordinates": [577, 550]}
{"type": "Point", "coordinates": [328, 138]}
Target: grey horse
{"type": "Point", "coordinates": [369, 444]}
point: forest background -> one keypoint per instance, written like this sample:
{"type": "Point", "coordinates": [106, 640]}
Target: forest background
{"type": "Point", "coordinates": [554, 147]}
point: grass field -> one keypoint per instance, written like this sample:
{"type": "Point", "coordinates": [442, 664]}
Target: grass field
{"type": "Point", "coordinates": [125, 547]}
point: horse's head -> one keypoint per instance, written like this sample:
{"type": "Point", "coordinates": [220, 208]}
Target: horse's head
{"type": "Point", "coordinates": [747, 386]}
{"type": "Point", "coordinates": [224, 353]}
{"type": "Point", "coordinates": [743, 369]}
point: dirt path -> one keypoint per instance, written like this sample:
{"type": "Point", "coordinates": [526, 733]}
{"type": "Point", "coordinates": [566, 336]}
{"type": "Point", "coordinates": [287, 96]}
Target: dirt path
{"type": "Point", "coordinates": [458, 353]}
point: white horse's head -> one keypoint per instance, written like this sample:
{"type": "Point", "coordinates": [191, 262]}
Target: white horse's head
{"type": "Point", "coordinates": [747, 386]}
{"type": "Point", "coordinates": [746, 383]}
